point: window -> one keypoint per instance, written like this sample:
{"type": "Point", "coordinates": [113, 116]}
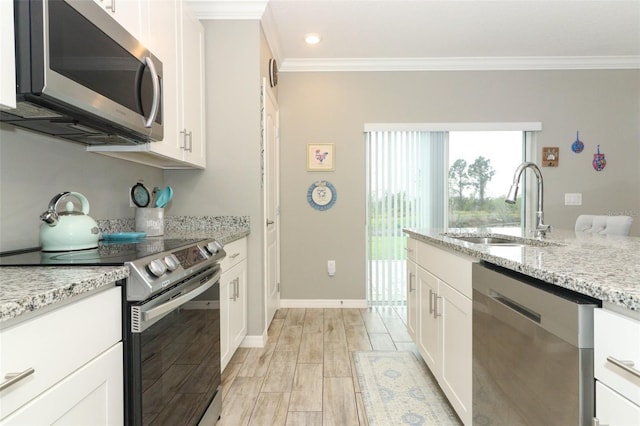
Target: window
{"type": "Point", "coordinates": [434, 176]}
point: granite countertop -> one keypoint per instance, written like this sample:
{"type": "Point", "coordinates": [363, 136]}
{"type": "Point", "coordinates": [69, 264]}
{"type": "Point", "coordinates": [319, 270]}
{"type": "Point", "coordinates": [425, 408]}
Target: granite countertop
{"type": "Point", "coordinates": [606, 267]}
{"type": "Point", "coordinates": [25, 290]}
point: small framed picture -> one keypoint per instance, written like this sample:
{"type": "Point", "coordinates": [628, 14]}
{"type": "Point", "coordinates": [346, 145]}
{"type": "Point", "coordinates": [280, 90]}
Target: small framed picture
{"type": "Point", "coordinates": [550, 156]}
{"type": "Point", "coordinates": [321, 157]}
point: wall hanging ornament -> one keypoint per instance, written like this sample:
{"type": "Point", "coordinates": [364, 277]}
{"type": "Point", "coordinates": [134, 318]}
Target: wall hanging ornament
{"type": "Point", "coordinates": [321, 195]}
{"type": "Point", "coordinates": [599, 162]}
{"type": "Point", "coordinates": [577, 146]}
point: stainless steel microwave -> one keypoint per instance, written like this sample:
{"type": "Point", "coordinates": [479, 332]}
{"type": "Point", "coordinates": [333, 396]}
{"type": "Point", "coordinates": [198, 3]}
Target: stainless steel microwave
{"type": "Point", "coordinates": [81, 76]}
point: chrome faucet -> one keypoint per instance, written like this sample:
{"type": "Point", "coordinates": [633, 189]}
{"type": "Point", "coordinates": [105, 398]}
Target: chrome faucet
{"type": "Point", "coordinates": [541, 228]}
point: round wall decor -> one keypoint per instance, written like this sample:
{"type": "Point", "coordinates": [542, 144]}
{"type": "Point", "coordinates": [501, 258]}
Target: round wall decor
{"type": "Point", "coordinates": [321, 195]}
{"type": "Point", "coordinates": [273, 72]}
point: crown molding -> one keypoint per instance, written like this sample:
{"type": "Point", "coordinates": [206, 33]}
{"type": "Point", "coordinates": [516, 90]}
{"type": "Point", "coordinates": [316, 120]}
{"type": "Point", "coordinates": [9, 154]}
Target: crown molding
{"type": "Point", "coordinates": [461, 64]}
{"type": "Point", "coordinates": [227, 9]}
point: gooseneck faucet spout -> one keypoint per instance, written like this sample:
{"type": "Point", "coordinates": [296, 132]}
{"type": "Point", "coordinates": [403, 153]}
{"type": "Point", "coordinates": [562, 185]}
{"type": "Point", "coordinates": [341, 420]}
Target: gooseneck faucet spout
{"type": "Point", "coordinates": [541, 228]}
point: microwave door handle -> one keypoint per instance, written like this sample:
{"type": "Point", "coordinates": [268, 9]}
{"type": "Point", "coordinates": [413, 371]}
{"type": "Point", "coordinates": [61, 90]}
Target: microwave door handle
{"type": "Point", "coordinates": [155, 102]}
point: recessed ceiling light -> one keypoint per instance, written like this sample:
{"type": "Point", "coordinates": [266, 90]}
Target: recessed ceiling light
{"type": "Point", "coordinates": [312, 38]}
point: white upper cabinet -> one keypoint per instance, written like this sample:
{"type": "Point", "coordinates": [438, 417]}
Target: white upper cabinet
{"type": "Point", "coordinates": [7, 57]}
{"type": "Point", "coordinates": [192, 63]}
{"type": "Point", "coordinates": [176, 37]}
{"type": "Point", "coordinates": [128, 13]}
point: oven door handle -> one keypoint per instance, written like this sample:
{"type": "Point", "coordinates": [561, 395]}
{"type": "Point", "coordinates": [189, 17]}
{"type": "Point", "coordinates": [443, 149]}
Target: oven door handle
{"type": "Point", "coordinates": [180, 300]}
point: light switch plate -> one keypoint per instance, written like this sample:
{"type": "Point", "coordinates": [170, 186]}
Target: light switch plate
{"type": "Point", "coordinates": [573, 199]}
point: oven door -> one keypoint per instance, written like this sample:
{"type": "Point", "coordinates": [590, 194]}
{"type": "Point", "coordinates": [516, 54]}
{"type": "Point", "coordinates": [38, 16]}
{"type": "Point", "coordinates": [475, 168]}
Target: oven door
{"type": "Point", "coordinates": [173, 354]}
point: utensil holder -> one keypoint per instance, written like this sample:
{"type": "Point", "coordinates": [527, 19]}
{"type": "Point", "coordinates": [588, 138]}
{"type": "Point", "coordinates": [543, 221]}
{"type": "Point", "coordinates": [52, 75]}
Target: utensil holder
{"type": "Point", "coordinates": [150, 220]}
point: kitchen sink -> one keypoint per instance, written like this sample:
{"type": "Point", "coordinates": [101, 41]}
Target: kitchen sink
{"type": "Point", "coordinates": [489, 240]}
{"type": "Point", "coordinates": [498, 240]}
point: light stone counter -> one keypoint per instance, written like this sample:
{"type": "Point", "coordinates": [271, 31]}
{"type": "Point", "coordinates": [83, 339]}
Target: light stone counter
{"type": "Point", "coordinates": [605, 267]}
{"type": "Point", "coordinates": [26, 291]}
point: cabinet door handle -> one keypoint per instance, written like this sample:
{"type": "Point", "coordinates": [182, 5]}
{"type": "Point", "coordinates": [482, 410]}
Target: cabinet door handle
{"type": "Point", "coordinates": [234, 255]}
{"type": "Point", "coordinates": [238, 287]}
{"type": "Point", "coordinates": [625, 365]}
{"type": "Point", "coordinates": [112, 6]}
{"type": "Point", "coordinates": [14, 378]}
{"type": "Point", "coordinates": [431, 293]}
{"type": "Point", "coordinates": [411, 282]}
{"type": "Point", "coordinates": [435, 305]}
{"type": "Point", "coordinates": [183, 132]}
{"type": "Point", "coordinates": [190, 141]}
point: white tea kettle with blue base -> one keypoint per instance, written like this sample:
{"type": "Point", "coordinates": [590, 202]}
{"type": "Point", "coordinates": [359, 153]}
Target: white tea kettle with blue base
{"type": "Point", "coordinates": [69, 229]}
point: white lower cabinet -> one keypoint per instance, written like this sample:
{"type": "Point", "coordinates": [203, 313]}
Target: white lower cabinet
{"type": "Point", "coordinates": [90, 396]}
{"type": "Point", "coordinates": [233, 300]}
{"type": "Point", "coordinates": [75, 353]}
{"type": "Point", "coordinates": [616, 369]}
{"type": "Point", "coordinates": [412, 295]}
{"type": "Point", "coordinates": [444, 324]}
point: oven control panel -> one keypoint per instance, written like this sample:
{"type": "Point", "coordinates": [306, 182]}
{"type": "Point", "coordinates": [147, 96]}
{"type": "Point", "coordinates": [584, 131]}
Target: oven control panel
{"type": "Point", "coordinates": [152, 274]}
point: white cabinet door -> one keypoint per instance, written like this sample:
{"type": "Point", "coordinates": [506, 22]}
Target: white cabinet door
{"type": "Point", "coordinates": [192, 63]}
{"type": "Point", "coordinates": [91, 395]}
{"type": "Point", "coordinates": [612, 409]}
{"type": "Point", "coordinates": [455, 342]}
{"type": "Point", "coordinates": [164, 41]}
{"type": "Point", "coordinates": [428, 322]}
{"type": "Point", "coordinates": [7, 57]}
{"type": "Point", "coordinates": [238, 306]}
{"type": "Point", "coordinates": [412, 299]}
{"type": "Point", "coordinates": [127, 13]}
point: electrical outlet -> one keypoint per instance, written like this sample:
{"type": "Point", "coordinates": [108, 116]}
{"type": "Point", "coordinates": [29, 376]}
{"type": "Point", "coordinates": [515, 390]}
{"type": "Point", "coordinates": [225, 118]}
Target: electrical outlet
{"type": "Point", "coordinates": [331, 267]}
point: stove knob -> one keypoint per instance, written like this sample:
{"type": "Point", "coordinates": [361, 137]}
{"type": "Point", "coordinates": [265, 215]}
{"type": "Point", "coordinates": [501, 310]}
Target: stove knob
{"type": "Point", "coordinates": [214, 246]}
{"type": "Point", "coordinates": [157, 267]}
{"type": "Point", "coordinates": [172, 262]}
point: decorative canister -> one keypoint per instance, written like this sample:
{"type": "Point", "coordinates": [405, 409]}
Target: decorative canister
{"type": "Point", "coordinates": [150, 220]}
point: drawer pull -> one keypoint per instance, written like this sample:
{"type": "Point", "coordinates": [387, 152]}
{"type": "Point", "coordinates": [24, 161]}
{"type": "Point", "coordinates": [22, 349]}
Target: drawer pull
{"type": "Point", "coordinates": [234, 255]}
{"type": "Point", "coordinates": [625, 365]}
{"type": "Point", "coordinates": [14, 378]}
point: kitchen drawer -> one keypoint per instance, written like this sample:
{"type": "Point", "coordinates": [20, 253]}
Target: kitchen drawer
{"type": "Point", "coordinates": [57, 343]}
{"type": "Point", "coordinates": [616, 337]}
{"type": "Point", "coordinates": [612, 409]}
{"type": "Point", "coordinates": [411, 248]}
{"type": "Point", "coordinates": [236, 252]}
{"type": "Point", "coordinates": [450, 267]}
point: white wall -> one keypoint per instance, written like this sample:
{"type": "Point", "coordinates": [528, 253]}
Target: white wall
{"type": "Point", "coordinates": [35, 167]}
{"type": "Point", "coordinates": [333, 107]}
{"type": "Point", "coordinates": [230, 185]}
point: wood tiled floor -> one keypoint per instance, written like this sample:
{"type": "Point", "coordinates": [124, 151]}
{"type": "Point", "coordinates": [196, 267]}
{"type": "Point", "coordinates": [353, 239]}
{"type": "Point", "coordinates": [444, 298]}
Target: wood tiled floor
{"type": "Point", "coordinates": [305, 375]}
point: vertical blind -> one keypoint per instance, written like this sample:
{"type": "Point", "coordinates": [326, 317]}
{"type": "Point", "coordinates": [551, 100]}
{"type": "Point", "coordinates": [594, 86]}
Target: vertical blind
{"type": "Point", "coordinates": [406, 187]}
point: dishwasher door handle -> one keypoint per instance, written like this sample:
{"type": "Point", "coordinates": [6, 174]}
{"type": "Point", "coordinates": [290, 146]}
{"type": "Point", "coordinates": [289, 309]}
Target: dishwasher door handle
{"type": "Point", "coordinates": [515, 306]}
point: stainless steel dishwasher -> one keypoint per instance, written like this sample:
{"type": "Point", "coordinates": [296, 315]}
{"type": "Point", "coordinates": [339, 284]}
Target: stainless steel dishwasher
{"type": "Point", "coordinates": [532, 351]}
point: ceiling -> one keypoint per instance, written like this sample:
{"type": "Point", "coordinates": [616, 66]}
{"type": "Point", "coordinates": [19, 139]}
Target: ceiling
{"type": "Point", "coordinates": [443, 34]}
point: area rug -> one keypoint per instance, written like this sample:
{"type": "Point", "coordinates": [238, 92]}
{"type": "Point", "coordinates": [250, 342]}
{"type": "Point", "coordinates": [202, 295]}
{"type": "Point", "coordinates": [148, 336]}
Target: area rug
{"type": "Point", "coordinates": [397, 389]}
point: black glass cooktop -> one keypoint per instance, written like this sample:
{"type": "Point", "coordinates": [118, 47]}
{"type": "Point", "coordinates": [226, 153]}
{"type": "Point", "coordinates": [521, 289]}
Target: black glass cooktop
{"type": "Point", "coordinates": [108, 253]}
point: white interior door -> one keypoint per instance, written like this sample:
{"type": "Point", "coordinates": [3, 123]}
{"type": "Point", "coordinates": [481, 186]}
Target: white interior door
{"type": "Point", "coordinates": [271, 203]}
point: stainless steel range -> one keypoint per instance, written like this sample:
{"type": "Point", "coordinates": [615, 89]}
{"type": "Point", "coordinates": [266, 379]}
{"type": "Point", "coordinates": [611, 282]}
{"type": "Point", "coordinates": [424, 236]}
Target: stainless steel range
{"type": "Point", "coordinates": [172, 342]}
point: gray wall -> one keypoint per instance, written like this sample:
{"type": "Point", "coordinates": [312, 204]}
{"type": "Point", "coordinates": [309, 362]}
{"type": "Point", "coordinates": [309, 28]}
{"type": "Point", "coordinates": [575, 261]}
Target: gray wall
{"type": "Point", "coordinates": [332, 107]}
{"type": "Point", "coordinates": [35, 167]}
{"type": "Point", "coordinates": [230, 185]}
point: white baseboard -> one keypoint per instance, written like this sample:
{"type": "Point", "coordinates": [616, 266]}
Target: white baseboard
{"type": "Point", "coordinates": [323, 303]}
{"type": "Point", "coordinates": [254, 341]}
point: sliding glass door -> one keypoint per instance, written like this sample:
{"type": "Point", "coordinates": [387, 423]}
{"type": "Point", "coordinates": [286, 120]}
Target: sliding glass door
{"type": "Point", "coordinates": [406, 188]}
